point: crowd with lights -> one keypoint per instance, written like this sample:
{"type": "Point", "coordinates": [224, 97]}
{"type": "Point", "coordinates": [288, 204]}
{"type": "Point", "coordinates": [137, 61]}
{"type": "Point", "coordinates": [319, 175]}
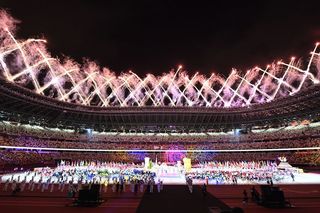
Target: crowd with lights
{"type": "Point", "coordinates": [245, 172]}
{"type": "Point", "coordinates": [72, 176]}
{"type": "Point", "coordinates": [118, 177]}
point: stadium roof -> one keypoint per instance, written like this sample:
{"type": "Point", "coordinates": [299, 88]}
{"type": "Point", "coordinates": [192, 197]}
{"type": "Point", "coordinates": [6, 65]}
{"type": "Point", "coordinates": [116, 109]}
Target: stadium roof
{"type": "Point", "coordinates": [22, 105]}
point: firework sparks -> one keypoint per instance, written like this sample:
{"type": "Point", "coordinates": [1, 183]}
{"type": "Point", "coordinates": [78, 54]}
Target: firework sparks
{"type": "Point", "coordinates": [29, 64]}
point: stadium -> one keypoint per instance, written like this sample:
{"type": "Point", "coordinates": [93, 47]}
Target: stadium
{"type": "Point", "coordinates": [67, 123]}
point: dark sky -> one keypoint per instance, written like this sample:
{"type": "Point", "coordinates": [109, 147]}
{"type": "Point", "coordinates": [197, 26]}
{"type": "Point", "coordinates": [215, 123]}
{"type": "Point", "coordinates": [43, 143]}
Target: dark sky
{"type": "Point", "coordinates": [155, 36]}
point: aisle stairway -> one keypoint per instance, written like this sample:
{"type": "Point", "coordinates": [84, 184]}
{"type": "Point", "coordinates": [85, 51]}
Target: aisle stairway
{"type": "Point", "coordinates": [176, 198]}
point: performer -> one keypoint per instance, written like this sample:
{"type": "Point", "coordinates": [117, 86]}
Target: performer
{"type": "Point", "coordinates": [6, 185]}
{"type": "Point", "coordinates": [159, 185]}
{"type": "Point", "coordinates": [141, 186]}
{"type": "Point", "coordinates": [52, 186]}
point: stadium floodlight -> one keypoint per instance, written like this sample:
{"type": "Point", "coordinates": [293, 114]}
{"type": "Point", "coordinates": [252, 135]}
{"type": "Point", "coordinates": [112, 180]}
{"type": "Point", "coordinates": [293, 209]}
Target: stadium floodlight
{"type": "Point", "coordinates": [29, 64]}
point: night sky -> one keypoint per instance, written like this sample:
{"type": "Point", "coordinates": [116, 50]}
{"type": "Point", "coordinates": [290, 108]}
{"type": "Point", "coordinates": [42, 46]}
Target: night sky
{"type": "Point", "coordinates": [155, 36]}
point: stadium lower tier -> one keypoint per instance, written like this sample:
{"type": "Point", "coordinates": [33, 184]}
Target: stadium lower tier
{"type": "Point", "coordinates": [22, 158]}
{"type": "Point", "coordinates": [83, 172]}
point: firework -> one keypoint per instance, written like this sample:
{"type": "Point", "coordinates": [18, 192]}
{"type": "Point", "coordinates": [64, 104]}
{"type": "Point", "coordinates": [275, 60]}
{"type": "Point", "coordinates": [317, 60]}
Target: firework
{"type": "Point", "coordinates": [29, 64]}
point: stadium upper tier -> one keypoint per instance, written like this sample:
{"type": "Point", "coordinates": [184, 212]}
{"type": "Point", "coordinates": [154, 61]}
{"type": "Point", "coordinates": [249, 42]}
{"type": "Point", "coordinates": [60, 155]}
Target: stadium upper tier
{"type": "Point", "coordinates": [45, 137]}
{"type": "Point", "coordinates": [36, 87]}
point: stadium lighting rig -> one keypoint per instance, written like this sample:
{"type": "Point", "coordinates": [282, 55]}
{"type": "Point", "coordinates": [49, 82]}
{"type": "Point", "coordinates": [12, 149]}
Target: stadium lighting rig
{"type": "Point", "coordinates": [157, 150]}
{"type": "Point", "coordinates": [25, 62]}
